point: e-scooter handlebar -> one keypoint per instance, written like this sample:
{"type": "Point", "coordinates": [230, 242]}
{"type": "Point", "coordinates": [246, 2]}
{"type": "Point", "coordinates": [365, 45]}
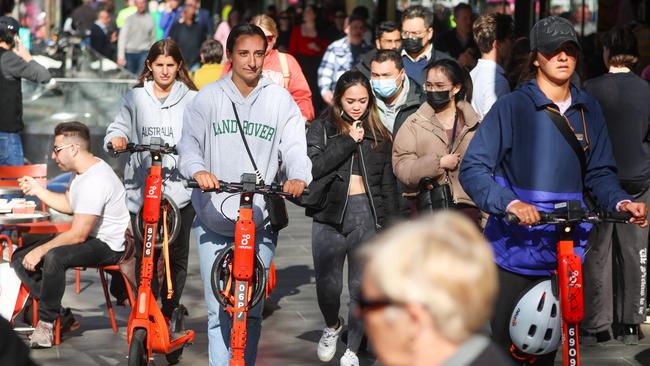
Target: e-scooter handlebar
{"type": "Point", "coordinates": [154, 147]}
{"type": "Point", "coordinates": [238, 187]}
{"type": "Point", "coordinates": [585, 216]}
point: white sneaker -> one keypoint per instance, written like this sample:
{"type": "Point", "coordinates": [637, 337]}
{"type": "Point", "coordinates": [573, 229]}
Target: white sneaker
{"type": "Point", "coordinates": [349, 359]}
{"type": "Point", "coordinates": [327, 342]}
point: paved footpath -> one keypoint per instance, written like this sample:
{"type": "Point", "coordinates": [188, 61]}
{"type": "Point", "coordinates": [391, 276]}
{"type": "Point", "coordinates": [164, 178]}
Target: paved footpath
{"type": "Point", "coordinates": [292, 324]}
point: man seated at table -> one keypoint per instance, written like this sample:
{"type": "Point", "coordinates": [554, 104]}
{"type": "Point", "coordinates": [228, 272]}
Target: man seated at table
{"type": "Point", "coordinates": [96, 199]}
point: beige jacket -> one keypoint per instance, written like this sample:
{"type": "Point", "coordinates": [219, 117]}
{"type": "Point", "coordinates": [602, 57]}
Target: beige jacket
{"type": "Point", "coordinates": [422, 141]}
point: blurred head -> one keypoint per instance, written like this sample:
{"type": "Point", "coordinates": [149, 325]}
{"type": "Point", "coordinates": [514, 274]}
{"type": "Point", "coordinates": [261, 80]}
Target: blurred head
{"type": "Point", "coordinates": [309, 14]}
{"type": "Point", "coordinates": [417, 28]}
{"type": "Point", "coordinates": [104, 17]}
{"type": "Point", "coordinates": [189, 9]}
{"type": "Point", "coordinates": [141, 6]}
{"type": "Point", "coordinates": [71, 141]}
{"type": "Point", "coordinates": [211, 52]}
{"type": "Point", "coordinates": [582, 12]}
{"type": "Point", "coordinates": [267, 24]}
{"type": "Point", "coordinates": [387, 73]}
{"type": "Point", "coordinates": [8, 30]}
{"type": "Point", "coordinates": [246, 47]}
{"type": "Point", "coordinates": [446, 82]}
{"type": "Point", "coordinates": [620, 48]}
{"type": "Point", "coordinates": [339, 19]}
{"type": "Point", "coordinates": [463, 16]}
{"type": "Point", "coordinates": [233, 17]}
{"type": "Point", "coordinates": [173, 4]}
{"type": "Point", "coordinates": [353, 97]}
{"type": "Point", "coordinates": [388, 36]}
{"type": "Point", "coordinates": [495, 31]}
{"type": "Point", "coordinates": [164, 65]}
{"type": "Point", "coordinates": [432, 279]}
{"type": "Point", "coordinates": [355, 28]}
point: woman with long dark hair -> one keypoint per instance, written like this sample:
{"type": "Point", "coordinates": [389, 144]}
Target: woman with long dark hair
{"type": "Point", "coordinates": [154, 108]}
{"type": "Point", "coordinates": [350, 148]}
{"type": "Point", "coordinates": [433, 140]}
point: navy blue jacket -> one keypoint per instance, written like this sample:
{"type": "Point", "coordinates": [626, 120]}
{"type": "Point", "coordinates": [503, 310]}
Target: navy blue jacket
{"type": "Point", "coordinates": [518, 153]}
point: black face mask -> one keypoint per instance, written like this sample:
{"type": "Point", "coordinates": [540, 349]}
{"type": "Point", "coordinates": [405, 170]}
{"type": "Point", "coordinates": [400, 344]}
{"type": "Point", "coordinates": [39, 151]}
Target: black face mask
{"type": "Point", "coordinates": [347, 118]}
{"type": "Point", "coordinates": [413, 45]}
{"type": "Point", "coordinates": [438, 99]}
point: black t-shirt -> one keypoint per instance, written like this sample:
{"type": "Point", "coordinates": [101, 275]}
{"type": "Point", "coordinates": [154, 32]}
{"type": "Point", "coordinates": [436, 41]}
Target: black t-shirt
{"type": "Point", "coordinates": [625, 100]}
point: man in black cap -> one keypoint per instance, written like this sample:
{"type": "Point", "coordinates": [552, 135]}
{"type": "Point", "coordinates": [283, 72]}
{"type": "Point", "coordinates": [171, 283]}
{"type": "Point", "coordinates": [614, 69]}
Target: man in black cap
{"type": "Point", "coordinates": [15, 64]}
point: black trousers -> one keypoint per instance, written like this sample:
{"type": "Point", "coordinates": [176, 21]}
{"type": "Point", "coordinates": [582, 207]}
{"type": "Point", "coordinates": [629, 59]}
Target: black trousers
{"type": "Point", "coordinates": [330, 247]}
{"type": "Point", "coordinates": [179, 251]}
{"type": "Point", "coordinates": [47, 282]}
{"type": "Point", "coordinates": [511, 285]}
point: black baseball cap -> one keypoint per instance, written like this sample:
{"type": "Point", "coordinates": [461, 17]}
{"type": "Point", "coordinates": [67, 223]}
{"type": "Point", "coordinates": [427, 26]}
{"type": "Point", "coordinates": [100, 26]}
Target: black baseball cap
{"type": "Point", "coordinates": [550, 33]}
{"type": "Point", "coordinates": [10, 23]}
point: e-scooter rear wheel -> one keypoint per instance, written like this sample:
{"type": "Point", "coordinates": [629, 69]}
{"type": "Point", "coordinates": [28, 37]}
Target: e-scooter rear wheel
{"type": "Point", "coordinates": [138, 355]}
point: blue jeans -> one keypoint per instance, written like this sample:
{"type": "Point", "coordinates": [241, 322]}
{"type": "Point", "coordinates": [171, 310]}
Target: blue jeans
{"type": "Point", "coordinates": [211, 245]}
{"type": "Point", "coordinates": [135, 61]}
{"type": "Point", "coordinates": [11, 149]}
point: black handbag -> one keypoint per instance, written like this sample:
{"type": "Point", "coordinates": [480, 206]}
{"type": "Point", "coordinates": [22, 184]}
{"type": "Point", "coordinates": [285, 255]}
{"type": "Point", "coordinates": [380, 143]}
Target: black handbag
{"type": "Point", "coordinates": [318, 188]}
{"type": "Point", "coordinates": [440, 197]}
{"type": "Point", "coordinates": [275, 205]}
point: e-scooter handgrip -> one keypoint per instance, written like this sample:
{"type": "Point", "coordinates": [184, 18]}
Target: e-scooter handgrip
{"type": "Point", "coordinates": [129, 147]}
{"type": "Point", "coordinates": [617, 216]}
{"type": "Point", "coordinates": [513, 219]}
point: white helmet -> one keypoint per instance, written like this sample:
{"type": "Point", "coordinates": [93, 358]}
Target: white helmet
{"type": "Point", "coordinates": [536, 324]}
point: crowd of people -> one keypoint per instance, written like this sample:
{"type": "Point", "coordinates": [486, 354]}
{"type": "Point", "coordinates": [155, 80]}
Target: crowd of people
{"type": "Point", "coordinates": [384, 129]}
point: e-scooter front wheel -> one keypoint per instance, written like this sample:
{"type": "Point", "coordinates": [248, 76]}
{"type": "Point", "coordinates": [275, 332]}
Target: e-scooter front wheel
{"type": "Point", "coordinates": [223, 281]}
{"type": "Point", "coordinates": [138, 355]}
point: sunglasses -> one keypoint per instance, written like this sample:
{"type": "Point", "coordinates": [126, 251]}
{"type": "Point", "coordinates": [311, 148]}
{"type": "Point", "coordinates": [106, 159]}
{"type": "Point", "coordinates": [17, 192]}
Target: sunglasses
{"type": "Point", "coordinates": [365, 305]}
{"type": "Point", "coordinates": [56, 150]}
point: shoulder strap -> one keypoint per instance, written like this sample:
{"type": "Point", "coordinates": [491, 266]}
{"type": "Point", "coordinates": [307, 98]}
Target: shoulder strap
{"type": "Point", "coordinates": [260, 179]}
{"type": "Point", "coordinates": [562, 124]}
{"type": "Point", "coordinates": [285, 69]}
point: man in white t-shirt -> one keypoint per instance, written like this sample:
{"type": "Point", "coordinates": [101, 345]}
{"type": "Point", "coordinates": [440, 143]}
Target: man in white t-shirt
{"type": "Point", "coordinates": [493, 34]}
{"type": "Point", "coordinates": [96, 199]}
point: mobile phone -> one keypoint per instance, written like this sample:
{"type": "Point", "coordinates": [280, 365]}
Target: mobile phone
{"type": "Point", "coordinates": [357, 124]}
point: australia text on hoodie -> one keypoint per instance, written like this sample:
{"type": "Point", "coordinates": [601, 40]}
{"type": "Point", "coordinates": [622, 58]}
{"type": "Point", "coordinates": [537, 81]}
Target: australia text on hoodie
{"type": "Point", "coordinates": [141, 117]}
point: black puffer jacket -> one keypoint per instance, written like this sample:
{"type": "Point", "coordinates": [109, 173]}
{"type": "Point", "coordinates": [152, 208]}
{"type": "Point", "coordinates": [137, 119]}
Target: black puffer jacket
{"type": "Point", "coordinates": [335, 157]}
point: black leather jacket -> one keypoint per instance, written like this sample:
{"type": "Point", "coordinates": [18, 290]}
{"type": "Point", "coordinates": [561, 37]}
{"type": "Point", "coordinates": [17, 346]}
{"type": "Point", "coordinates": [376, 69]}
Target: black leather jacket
{"type": "Point", "coordinates": [335, 156]}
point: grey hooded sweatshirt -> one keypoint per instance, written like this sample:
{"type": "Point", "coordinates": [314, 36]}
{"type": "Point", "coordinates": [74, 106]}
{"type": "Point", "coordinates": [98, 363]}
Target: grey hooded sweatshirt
{"type": "Point", "coordinates": [141, 117]}
{"type": "Point", "coordinates": [211, 141]}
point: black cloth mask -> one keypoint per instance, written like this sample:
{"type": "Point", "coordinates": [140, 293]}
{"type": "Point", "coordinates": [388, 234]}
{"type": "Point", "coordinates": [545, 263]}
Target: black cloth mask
{"type": "Point", "coordinates": [413, 45]}
{"type": "Point", "coordinates": [347, 118]}
{"type": "Point", "coordinates": [438, 99]}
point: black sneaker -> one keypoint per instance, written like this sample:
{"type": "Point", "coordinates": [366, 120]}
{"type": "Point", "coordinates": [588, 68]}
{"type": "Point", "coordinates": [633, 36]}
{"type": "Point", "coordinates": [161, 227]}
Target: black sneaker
{"type": "Point", "coordinates": [68, 322]}
{"type": "Point", "coordinates": [630, 334]}
{"type": "Point", "coordinates": [591, 339]}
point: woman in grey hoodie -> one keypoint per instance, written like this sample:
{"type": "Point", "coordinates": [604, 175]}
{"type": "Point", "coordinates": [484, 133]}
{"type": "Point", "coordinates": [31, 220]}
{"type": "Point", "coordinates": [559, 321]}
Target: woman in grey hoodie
{"type": "Point", "coordinates": [154, 108]}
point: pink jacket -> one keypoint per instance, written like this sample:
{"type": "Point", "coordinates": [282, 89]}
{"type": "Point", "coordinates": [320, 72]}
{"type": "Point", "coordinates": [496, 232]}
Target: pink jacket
{"type": "Point", "coordinates": [297, 85]}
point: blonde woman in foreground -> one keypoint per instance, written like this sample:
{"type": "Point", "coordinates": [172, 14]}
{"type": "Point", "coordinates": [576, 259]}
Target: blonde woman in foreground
{"type": "Point", "coordinates": [428, 289]}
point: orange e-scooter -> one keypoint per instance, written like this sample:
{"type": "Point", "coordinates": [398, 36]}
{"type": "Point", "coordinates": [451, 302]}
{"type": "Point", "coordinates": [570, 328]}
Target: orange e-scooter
{"type": "Point", "coordinates": [569, 268]}
{"type": "Point", "coordinates": [148, 331]}
{"type": "Point", "coordinates": [238, 276]}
